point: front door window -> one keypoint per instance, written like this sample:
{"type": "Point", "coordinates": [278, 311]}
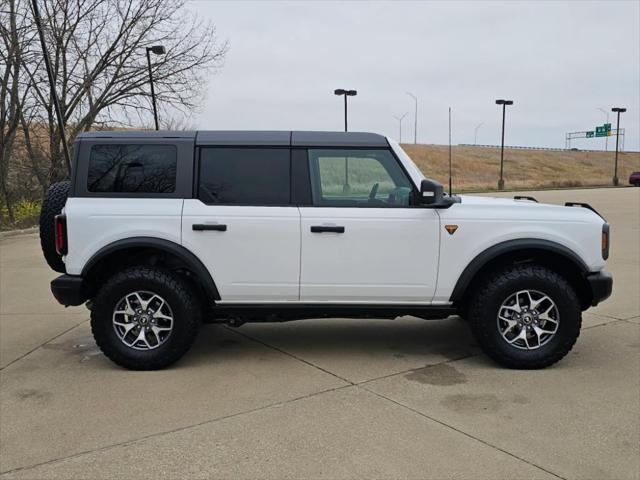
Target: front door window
{"type": "Point", "coordinates": [357, 178]}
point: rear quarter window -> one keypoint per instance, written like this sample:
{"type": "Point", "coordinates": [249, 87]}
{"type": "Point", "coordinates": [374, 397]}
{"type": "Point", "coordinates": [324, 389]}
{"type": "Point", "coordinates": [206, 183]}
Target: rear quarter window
{"type": "Point", "coordinates": [129, 168]}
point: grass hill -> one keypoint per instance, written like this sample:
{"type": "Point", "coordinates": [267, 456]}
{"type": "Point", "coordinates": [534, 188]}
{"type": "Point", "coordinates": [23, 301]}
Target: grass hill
{"type": "Point", "coordinates": [478, 168]}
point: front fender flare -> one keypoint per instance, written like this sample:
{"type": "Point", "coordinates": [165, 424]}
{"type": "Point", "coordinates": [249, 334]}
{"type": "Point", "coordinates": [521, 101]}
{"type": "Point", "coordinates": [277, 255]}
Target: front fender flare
{"type": "Point", "coordinates": [483, 258]}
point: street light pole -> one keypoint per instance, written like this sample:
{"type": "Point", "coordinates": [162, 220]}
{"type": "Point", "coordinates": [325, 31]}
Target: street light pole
{"type": "Point", "coordinates": [606, 139]}
{"type": "Point", "coordinates": [415, 118]}
{"type": "Point", "coordinates": [158, 50]}
{"type": "Point", "coordinates": [400, 118]}
{"type": "Point", "coordinates": [617, 110]}
{"type": "Point", "coordinates": [475, 134]}
{"type": "Point", "coordinates": [346, 93]}
{"type": "Point", "coordinates": [504, 104]}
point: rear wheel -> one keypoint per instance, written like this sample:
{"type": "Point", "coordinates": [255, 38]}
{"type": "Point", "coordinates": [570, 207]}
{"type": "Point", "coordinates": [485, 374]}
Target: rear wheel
{"type": "Point", "coordinates": [52, 205]}
{"type": "Point", "coordinates": [525, 317]}
{"type": "Point", "coordinates": [145, 318]}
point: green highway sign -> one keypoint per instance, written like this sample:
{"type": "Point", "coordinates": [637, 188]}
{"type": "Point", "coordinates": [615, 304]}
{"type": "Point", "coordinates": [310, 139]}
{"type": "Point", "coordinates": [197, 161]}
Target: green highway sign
{"type": "Point", "coordinates": [590, 134]}
{"type": "Point", "coordinates": [603, 130]}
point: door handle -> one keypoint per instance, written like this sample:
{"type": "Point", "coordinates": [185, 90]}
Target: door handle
{"type": "Point", "coordinates": [199, 227]}
{"type": "Point", "coordinates": [326, 228]}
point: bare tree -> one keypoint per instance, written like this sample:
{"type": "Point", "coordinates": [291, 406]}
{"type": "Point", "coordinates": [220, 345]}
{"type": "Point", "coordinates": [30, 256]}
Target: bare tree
{"type": "Point", "coordinates": [14, 40]}
{"type": "Point", "coordinates": [98, 54]}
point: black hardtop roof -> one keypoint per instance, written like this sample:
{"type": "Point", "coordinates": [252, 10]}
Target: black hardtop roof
{"type": "Point", "coordinates": [255, 138]}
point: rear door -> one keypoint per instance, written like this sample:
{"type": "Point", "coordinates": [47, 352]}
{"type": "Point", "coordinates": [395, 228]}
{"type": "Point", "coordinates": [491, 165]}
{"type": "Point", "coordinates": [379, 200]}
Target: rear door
{"type": "Point", "coordinates": [242, 225]}
{"type": "Point", "coordinates": [362, 240]}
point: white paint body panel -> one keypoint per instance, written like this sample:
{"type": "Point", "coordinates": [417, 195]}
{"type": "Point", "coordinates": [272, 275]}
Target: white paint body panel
{"type": "Point", "coordinates": [484, 222]}
{"type": "Point", "coordinates": [385, 255]}
{"type": "Point", "coordinates": [93, 223]}
{"type": "Point", "coordinates": [256, 259]}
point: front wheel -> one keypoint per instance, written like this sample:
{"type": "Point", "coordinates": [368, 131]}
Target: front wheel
{"type": "Point", "coordinates": [525, 317]}
{"type": "Point", "coordinates": [145, 318]}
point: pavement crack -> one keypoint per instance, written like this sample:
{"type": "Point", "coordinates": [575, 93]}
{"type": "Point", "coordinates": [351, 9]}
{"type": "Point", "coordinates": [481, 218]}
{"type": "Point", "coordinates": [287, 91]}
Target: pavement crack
{"type": "Point", "coordinates": [284, 352]}
{"type": "Point", "coordinates": [422, 367]}
{"type": "Point", "coordinates": [43, 343]}
{"type": "Point", "coordinates": [175, 430]}
{"type": "Point", "coordinates": [311, 364]}
{"type": "Point", "coordinates": [606, 324]}
{"type": "Point", "coordinates": [462, 432]}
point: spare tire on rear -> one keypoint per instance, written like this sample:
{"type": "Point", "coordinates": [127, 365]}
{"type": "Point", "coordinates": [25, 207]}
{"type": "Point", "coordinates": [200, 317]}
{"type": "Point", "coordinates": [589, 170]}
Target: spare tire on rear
{"type": "Point", "coordinates": [52, 205]}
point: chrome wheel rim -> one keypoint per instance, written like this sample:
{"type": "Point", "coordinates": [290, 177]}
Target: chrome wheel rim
{"type": "Point", "coordinates": [142, 320]}
{"type": "Point", "coordinates": [528, 319]}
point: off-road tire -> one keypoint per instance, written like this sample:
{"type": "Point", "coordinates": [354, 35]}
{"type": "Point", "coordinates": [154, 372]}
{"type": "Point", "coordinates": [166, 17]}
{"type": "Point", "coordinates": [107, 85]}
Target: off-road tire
{"type": "Point", "coordinates": [52, 205]}
{"type": "Point", "coordinates": [496, 288]}
{"type": "Point", "coordinates": [179, 294]}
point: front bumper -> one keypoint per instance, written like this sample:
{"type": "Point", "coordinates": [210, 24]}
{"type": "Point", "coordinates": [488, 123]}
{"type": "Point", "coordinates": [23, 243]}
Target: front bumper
{"type": "Point", "coordinates": [69, 290]}
{"type": "Point", "coordinates": [601, 284]}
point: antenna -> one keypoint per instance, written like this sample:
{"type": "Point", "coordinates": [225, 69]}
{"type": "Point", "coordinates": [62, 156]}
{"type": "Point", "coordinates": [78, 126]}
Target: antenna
{"type": "Point", "coordinates": [450, 187]}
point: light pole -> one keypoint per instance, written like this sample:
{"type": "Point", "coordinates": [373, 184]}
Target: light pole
{"type": "Point", "coordinates": [617, 110]}
{"type": "Point", "coordinates": [606, 139]}
{"type": "Point", "coordinates": [504, 104]}
{"type": "Point", "coordinates": [415, 118]}
{"type": "Point", "coordinates": [346, 93]}
{"type": "Point", "coordinates": [475, 133]}
{"type": "Point", "coordinates": [157, 50]}
{"type": "Point", "coordinates": [400, 118]}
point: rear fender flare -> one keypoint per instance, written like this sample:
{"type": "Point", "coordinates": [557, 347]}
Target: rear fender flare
{"type": "Point", "coordinates": [190, 260]}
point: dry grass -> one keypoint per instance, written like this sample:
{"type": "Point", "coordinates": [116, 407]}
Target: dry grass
{"type": "Point", "coordinates": [478, 168]}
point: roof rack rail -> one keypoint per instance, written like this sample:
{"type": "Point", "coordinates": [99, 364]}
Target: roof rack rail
{"type": "Point", "coordinates": [584, 205]}
{"type": "Point", "coordinates": [524, 197]}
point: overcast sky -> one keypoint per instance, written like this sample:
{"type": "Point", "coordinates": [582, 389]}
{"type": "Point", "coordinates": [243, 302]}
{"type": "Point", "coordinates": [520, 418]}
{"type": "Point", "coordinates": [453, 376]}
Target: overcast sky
{"type": "Point", "coordinates": [558, 61]}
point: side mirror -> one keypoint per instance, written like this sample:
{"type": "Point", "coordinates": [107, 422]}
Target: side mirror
{"type": "Point", "coordinates": [430, 192]}
{"type": "Point", "coordinates": [432, 195]}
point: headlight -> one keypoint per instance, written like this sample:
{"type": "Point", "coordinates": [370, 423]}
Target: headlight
{"type": "Point", "coordinates": [605, 241]}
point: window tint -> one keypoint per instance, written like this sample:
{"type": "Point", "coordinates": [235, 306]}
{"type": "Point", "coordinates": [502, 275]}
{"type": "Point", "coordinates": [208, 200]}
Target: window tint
{"type": "Point", "coordinates": [357, 178]}
{"type": "Point", "coordinates": [132, 168]}
{"type": "Point", "coordinates": [244, 176]}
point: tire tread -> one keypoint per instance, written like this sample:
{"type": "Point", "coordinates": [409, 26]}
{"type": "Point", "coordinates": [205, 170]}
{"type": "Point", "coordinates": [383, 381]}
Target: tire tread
{"type": "Point", "coordinates": [52, 205]}
{"type": "Point", "coordinates": [500, 281]}
{"type": "Point", "coordinates": [163, 357]}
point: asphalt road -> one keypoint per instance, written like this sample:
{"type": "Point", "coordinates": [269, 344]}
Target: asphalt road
{"type": "Point", "coordinates": [406, 398]}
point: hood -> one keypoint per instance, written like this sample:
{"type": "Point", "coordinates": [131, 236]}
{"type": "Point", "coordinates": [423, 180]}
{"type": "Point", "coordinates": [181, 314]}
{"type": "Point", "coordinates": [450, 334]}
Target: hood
{"type": "Point", "coordinates": [526, 209]}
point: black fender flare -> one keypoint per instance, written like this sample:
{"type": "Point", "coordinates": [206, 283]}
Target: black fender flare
{"type": "Point", "coordinates": [483, 258]}
{"type": "Point", "coordinates": [193, 263]}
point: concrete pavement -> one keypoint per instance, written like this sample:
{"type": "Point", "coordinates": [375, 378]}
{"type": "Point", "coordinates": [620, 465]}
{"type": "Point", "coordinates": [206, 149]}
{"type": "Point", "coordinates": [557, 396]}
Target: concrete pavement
{"type": "Point", "coordinates": [406, 398]}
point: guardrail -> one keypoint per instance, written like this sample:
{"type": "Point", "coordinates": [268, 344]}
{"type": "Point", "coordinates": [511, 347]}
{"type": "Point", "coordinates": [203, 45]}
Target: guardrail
{"type": "Point", "coordinates": [517, 147]}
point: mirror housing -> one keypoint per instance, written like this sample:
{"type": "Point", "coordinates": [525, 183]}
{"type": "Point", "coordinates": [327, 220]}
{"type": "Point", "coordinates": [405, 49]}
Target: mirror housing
{"type": "Point", "coordinates": [430, 192]}
{"type": "Point", "coordinates": [432, 195]}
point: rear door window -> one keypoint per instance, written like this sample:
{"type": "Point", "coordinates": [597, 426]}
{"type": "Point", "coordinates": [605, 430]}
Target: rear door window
{"type": "Point", "coordinates": [127, 168]}
{"type": "Point", "coordinates": [245, 176]}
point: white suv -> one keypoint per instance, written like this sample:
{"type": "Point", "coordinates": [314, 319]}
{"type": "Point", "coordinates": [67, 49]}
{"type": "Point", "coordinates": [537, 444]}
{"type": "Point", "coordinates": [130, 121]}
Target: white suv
{"type": "Point", "coordinates": [160, 231]}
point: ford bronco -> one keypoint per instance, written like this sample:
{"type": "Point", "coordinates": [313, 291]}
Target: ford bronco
{"type": "Point", "coordinates": [159, 232]}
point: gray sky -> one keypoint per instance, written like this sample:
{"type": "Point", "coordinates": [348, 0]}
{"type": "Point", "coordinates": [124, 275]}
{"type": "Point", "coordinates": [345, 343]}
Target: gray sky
{"type": "Point", "coordinates": [558, 61]}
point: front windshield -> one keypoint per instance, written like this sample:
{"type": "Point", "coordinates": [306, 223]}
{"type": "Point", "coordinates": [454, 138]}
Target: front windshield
{"type": "Point", "coordinates": [416, 175]}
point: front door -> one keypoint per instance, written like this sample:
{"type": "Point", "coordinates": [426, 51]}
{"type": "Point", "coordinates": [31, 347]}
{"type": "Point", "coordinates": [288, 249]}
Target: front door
{"type": "Point", "coordinates": [242, 226]}
{"type": "Point", "coordinates": [362, 241]}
